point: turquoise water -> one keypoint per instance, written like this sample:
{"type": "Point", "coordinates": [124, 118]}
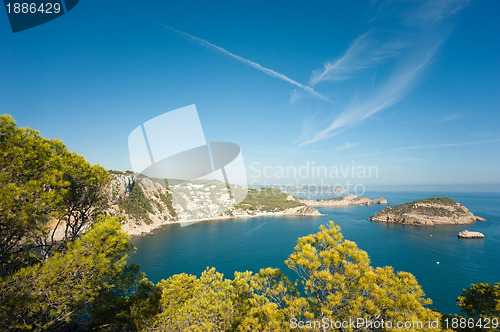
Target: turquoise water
{"type": "Point", "coordinates": [254, 243]}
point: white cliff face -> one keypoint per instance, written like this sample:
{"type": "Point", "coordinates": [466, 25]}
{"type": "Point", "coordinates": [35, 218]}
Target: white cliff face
{"type": "Point", "coordinates": [120, 185]}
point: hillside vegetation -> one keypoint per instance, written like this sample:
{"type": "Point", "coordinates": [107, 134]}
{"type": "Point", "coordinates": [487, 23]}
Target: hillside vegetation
{"type": "Point", "coordinates": [434, 206]}
{"type": "Point", "coordinates": [136, 204]}
{"type": "Point", "coordinates": [267, 199]}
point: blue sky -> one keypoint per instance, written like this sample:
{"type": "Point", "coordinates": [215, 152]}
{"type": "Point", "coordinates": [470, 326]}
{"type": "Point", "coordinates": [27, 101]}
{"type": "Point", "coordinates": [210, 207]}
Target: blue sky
{"type": "Point", "coordinates": [412, 87]}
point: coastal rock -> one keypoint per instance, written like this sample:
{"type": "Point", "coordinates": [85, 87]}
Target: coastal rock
{"type": "Point", "coordinates": [120, 185]}
{"type": "Point", "coordinates": [379, 201]}
{"type": "Point", "coordinates": [470, 235]}
{"type": "Point", "coordinates": [343, 201]}
{"type": "Point", "coordinates": [302, 211]}
{"type": "Point", "coordinates": [427, 212]}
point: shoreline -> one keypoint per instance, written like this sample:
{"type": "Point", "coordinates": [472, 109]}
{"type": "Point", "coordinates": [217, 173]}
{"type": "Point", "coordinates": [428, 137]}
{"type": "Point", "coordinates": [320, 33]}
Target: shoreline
{"type": "Point", "coordinates": [308, 209]}
{"type": "Point", "coordinates": [187, 222]}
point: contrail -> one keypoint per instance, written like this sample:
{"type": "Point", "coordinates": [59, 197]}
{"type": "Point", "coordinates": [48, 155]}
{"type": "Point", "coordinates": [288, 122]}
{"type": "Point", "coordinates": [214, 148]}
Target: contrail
{"type": "Point", "coordinates": [441, 145]}
{"type": "Point", "coordinates": [250, 63]}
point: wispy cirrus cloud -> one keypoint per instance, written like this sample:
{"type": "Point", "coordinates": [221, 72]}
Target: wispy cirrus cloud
{"type": "Point", "coordinates": [483, 134]}
{"type": "Point", "coordinates": [250, 63]}
{"type": "Point", "coordinates": [441, 145]}
{"type": "Point", "coordinates": [429, 147]}
{"type": "Point", "coordinates": [436, 11]}
{"type": "Point", "coordinates": [446, 119]}
{"type": "Point", "coordinates": [408, 56]}
{"type": "Point", "coordinates": [365, 52]}
{"type": "Point", "coordinates": [391, 92]}
{"type": "Point", "coordinates": [346, 146]}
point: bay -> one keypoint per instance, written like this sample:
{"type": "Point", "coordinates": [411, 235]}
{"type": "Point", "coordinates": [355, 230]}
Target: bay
{"type": "Point", "coordinates": [254, 243]}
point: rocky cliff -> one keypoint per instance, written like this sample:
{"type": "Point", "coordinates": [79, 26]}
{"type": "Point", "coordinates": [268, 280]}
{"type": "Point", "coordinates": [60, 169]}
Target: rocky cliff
{"type": "Point", "coordinates": [145, 204]}
{"type": "Point", "coordinates": [427, 212]}
{"type": "Point", "coordinates": [142, 203]}
{"type": "Point", "coordinates": [343, 201]}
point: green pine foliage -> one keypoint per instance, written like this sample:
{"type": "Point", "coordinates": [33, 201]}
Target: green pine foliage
{"type": "Point", "coordinates": [71, 289]}
{"type": "Point", "coordinates": [480, 307]}
{"type": "Point", "coordinates": [481, 300]}
{"type": "Point", "coordinates": [167, 199]}
{"type": "Point", "coordinates": [111, 171]}
{"type": "Point", "coordinates": [43, 186]}
{"type": "Point", "coordinates": [136, 204]}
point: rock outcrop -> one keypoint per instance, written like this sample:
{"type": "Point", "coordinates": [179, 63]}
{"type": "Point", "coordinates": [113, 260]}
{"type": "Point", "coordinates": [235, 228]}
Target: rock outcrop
{"type": "Point", "coordinates": [470, 235]}
{"type": "Point", "coordinates": [302, 211]}
{"type": "Point", "coordinates": [343, 201]}
{"type": "Point", "coordinates": [427, 212]}
{"type": "Point", "coordinates": [379, 201]}
{"type": "Point", "coordinates": [120, 185]}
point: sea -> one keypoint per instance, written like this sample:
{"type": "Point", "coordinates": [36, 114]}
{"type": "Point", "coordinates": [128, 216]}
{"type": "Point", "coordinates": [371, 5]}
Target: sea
{"type": "Point", "coordinates": [443, 264]}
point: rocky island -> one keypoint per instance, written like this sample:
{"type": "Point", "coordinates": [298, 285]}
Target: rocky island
{"type": "Point", "coordinates": [470, 235]}
{"type": "Point", "coordinates": [427, 212]}
{"type": "Point", "coordinates": [343, 201]}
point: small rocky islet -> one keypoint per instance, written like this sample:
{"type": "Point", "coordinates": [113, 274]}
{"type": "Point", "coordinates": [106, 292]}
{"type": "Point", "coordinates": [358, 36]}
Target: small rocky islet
{"type": "Point", "coordinates": [470, 235]}
{"type": "Point", "coordinates": [430, 211]}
